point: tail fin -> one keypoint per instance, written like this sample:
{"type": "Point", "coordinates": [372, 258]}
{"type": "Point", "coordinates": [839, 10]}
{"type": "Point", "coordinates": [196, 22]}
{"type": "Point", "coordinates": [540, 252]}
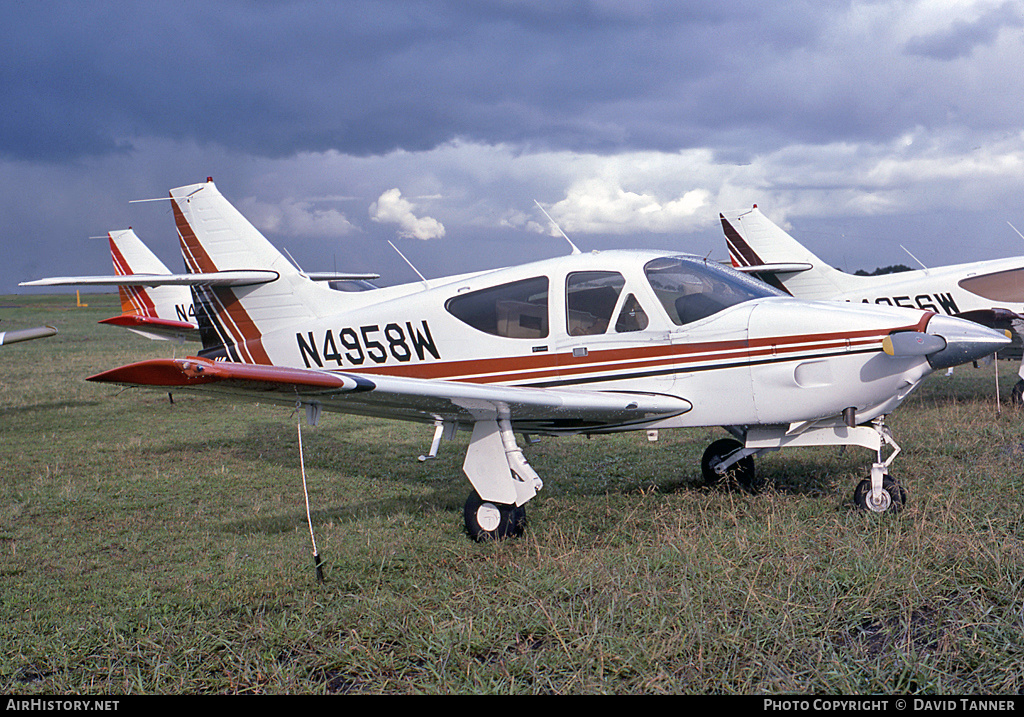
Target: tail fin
{"type": "Point", "coordinates": [756, 244]}
{"type": "Point", "coordinates": [156, 312]}
{"type": "Point", "coordinates": [233, 320]}
{"type": "Point", "coordinates": [130, 256]}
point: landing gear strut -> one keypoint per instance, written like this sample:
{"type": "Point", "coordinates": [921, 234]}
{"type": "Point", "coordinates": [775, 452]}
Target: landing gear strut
{"type": "Point", "coordinates": [880, 493]}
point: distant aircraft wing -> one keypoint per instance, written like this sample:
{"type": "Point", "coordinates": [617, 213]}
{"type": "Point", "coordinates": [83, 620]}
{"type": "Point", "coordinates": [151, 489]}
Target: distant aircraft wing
{"type": "Point", "coordinates": [13, 337]}
{"type": "Point", "coordinates": [539, 410]}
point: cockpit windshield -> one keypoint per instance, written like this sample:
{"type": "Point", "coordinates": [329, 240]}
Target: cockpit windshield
{"type": "Point", "coordinates": [692, 289]}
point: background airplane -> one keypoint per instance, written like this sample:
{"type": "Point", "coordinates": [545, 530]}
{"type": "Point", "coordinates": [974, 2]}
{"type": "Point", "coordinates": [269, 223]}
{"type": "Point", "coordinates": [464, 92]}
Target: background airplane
{"type": "Point", "coordinates": [988, 292]}
{"type": "Point", "coordinates": [591, 343]}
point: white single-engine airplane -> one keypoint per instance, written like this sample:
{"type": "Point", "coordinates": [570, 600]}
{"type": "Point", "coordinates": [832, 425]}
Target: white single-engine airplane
{"type": "Point", "coordinates": [988, 292]}
{"type": "Point", "coordinates": [585, 343]}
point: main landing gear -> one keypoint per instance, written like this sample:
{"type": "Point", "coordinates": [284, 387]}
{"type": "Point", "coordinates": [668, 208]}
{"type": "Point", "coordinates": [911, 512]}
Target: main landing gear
{"type": "Point", "coordinates": [726, 463]}
{"type": "Point", "coordinates": [1017, 393]}
{"type": "Point", "coordinates": [730, 462]}
{"type": "Point", "coordinates": [502, 481]}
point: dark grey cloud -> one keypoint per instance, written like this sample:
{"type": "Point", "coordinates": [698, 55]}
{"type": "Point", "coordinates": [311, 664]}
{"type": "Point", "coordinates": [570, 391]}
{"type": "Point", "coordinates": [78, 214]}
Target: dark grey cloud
{"type": "Point", "coordinates": [963, 37]}
{"type": "Point", "coordinates": [361, 77]}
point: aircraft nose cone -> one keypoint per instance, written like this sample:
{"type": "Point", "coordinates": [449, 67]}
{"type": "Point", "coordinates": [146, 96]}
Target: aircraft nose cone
{"type": "Point", "coordinates": [965, 341]}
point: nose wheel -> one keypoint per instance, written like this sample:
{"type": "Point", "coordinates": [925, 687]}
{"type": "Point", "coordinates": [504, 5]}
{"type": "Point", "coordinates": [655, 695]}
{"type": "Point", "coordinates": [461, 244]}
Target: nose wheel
{"type": "Point", "coordinates": [891, 498]}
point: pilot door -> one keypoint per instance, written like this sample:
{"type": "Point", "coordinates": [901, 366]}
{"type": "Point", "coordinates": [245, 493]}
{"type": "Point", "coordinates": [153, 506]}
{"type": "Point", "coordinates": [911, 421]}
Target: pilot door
{"type": "Point", "coordinates": [604, 338]}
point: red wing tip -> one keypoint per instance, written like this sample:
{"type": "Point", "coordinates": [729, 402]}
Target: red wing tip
{"type": "Point", "coordinates": [156, 372]}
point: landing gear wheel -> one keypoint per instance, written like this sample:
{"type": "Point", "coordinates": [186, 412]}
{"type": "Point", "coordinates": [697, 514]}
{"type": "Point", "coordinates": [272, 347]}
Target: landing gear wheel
{"type": "Point", "coordinates": [1017, 393]}
{"type": "Point", "coordinates": [740, 474]}
{"type": "Point", "coordinates": [486, 520]}
{"type": "Point", "coordinates": [893, 496]}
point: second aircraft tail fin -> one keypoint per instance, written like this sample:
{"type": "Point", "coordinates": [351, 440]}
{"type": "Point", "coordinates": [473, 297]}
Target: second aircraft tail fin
{"type": "Point", "coordinates": [759, 246]}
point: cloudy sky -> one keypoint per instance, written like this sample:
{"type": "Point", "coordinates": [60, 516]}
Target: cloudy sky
{"type": "Point", "coordinates": [860, 126]}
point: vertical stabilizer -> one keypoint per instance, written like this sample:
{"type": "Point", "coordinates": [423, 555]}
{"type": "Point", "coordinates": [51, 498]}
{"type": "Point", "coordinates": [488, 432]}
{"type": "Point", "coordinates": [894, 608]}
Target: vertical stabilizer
{"type": "Point", "coordinates": [233, 320]}
{"type": "Point", "coordinates": [754, 240]}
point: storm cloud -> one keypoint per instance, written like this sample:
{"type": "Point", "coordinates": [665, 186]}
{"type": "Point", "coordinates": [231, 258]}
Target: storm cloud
{"type": "Point", "coordinates": [336, 126]}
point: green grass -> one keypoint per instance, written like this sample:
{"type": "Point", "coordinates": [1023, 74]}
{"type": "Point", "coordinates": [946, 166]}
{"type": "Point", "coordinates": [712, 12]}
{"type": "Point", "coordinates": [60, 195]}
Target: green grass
{"type": "Point", "coordinates": [158, 547]}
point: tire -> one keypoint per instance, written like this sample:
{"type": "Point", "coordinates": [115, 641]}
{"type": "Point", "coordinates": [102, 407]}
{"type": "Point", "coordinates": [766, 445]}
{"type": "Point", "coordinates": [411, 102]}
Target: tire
{"type": "Point", "coordinates": [897, 497]}
{"type": "Point", "coordinates": [487, 520]}
{"type": "Point", "coordinates": [740, 475]}
{"type": "Point", "coordinates": [1017, 393]}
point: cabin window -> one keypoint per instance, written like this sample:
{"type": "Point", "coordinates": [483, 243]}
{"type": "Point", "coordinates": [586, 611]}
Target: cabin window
{"type": "Point", "coordinates": [632, 316]}
{"type": "Point", "coordinates": [590, 299]}
{"type": "Point", "coordinates": [518, 310]}
{"type": "Point", "coordinates": [693, 289]}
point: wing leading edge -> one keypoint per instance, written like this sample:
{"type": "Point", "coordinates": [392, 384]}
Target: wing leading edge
{"type": "Point", "coordinates": [413, 399]}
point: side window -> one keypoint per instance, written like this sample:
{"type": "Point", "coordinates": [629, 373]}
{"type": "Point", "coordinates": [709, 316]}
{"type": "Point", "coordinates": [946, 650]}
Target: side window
{"type": "Point", "coordinates": [518, 310]}
{"type": "Point", "coordinates": [632, 317]}
{"type": "Point", "coordinates": [590, 298]}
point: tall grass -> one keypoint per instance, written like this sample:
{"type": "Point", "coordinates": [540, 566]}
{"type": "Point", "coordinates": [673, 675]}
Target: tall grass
{"type": "Point", "coordinates": [151, 546]}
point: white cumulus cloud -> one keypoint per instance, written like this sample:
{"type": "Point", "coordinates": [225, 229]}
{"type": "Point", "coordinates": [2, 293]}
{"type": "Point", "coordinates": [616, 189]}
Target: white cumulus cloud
{"type": "Point", "coordinates": [392, 208]}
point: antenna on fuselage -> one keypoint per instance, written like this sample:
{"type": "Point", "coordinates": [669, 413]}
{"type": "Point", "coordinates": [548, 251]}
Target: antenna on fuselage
{"type": "Point", "coordinates": [422, 278]}
{"type": "Point", "coordinates": [1015, 229]}
{"type": "Point", "coordinates": [912, 256]}
{"type": "Point", "coordinates": [575, 249]}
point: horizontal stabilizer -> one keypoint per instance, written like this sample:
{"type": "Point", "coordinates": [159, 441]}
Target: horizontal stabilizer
{"type": "Point", "coordinates": [155, 328]}
{"type": "Point", "coordinates": [136, 321]}
{"type": "Point", "coordinates": [338, 276]}
{"type": "Point", "coordinates": [779, 268]}
{"type": "Point", "coordinates": [248, 277]}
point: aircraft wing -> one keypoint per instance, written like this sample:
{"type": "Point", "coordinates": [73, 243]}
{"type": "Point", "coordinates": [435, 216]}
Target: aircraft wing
{"type": "Point", "coordinates": [539, 410]}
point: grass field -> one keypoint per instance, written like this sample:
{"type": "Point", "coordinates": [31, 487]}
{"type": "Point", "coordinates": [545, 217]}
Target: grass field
{"type": "Point", "coordinates": [151, 546]}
